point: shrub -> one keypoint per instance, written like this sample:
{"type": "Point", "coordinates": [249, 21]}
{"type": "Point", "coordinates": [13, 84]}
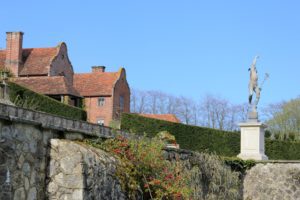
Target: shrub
{"type": "Point", "coordinates": [238, 165]}
{"type": "Point", "coordinates": [142, 167]}
{"type": "Point", "coordinates": [203, 139]}
{"type": "Point", "coordinates": [212, 179]}
{"type": "Point", "coordinates": [188, 137]}
{"type": "Point", "coordinates": [26, 98]}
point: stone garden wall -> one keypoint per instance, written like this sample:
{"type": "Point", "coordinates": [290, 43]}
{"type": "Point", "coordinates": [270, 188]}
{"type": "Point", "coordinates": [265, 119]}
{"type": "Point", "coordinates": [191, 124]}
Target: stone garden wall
{"type": "Point", "coordinates": [78, 172]}
{"type": "Point", "coordinates": [276, 181]}
{"type": "Point", "coordinates": [23, 160]}
{"type": "Point", "coordinates": [24, 148]}
{"type": "Point", "coordinates": [34, 164]}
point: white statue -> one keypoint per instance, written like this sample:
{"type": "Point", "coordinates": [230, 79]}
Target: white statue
{"type": "Point", "coordinates": [253, 83]}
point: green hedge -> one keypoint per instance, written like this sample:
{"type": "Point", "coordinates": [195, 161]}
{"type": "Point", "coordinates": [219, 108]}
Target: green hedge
{"type": "Point", "coordinates": [203, 139]}
{"type": "Point", "coordinates": [27, 98]}
{"type": "Point", "coordinates": [282, 150]}
{"type": "Point", "coordinates": [189, 137]}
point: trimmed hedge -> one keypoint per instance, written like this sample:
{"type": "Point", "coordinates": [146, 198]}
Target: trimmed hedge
{"type": "Point", "coordinates": [223, 143]}
{"type": "Point", "coordinates": [43, 103]}
{"type": "Point", "coordinates": [282, 150]}
{"type": "Point", "coordinates": [189, 137]}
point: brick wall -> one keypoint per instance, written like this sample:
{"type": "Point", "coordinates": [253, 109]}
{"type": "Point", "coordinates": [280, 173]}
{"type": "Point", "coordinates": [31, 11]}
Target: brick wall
{"type": "Point", "coordinates": [96, 112]}
{"type": "Point", "coordinates": [14, 43]}
{"type": "Point", "coordinates": [62, 65]}
{"type": "Point", "coordinates": [111, 108]}
{"type": "Point", "coordinates": [121, 89]}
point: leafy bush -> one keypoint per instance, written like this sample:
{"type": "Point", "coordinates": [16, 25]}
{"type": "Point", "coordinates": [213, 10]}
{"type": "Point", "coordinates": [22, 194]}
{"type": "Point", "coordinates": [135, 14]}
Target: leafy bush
{"type": "Point", "coordinates": [142, 167]}
{"type": "Point", "coordinates": [212, 179]}
{"type": "Point", "coordinates": [26, 98]}
{"type": "Point", "coordinates": [203, 139]}
{"type": "Point", "coordinates": [238, 165]}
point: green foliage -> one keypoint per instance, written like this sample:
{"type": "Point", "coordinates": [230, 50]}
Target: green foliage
{"type": "Point", "coordinates": [202, 139]}
{"type": "Point", "coordinates": [237, 164]}
{"type": "Point", "coordinates": [5, 73]}
{"type": "Point", "coordinates": [115, 124]}
{"type": "Point", "coordinates": [143, 168]}
{"type": "Point", "coordinates": [285, 121]}
{"type": "Point", "coordinates": [188, 137]}
{"type": "Point", "coordinates": [282, 150]}
{"type": "Point", "coordinates": [26, 98]}
{"type": "Point", "coordinates": [212, 179]}
{"type": "Point", "coordinates": [167, 137]}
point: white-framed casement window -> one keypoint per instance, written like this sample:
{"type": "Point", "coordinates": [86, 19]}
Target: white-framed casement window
{"type": "Point", "coordinates": [101, 101]}
{"type": "Point", "coordinates": [100, 121]}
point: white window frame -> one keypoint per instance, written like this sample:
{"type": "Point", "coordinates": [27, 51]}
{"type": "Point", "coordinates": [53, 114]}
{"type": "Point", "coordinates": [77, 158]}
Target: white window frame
{"type": "Point", "coordinates": [101, 101]}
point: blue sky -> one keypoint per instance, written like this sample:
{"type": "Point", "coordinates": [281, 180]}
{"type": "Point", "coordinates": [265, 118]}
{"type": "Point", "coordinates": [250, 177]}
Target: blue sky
{"type": "Point", "coordinates": [188, 48]}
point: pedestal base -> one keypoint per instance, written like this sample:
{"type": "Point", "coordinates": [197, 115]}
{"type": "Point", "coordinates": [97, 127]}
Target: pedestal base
{"type": "Point", "coordinates": [253, 116]}
{"type": "Point", "coordinates": [252, 141]}
{"type": "Point", "coordinates": [253, 157]}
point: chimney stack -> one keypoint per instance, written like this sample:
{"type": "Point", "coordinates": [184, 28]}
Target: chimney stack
{"type": "Point", "coordinates": [98, 69]}
{"type": "Point", "coordinates": [14, 43]}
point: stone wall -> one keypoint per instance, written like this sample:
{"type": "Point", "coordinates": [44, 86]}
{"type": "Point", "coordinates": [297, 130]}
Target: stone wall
{"type": "Point", "coordinates": [80, 172]}
{"type": "Point", "coordinates": [23, 160]}
{"type": "Point", "coordinates": [68, 170]}
{"type": "Point", "coordinates": [276, 181]}
{"type": "Point", "coordinates": [24, 148]}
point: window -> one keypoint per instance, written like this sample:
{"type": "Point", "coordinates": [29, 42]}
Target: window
{"type": "Point", "coordinates": [121, 103]}
{"type": "Point", "coordinates": [101, 101]}
{"type": "Point", "coordinates": [100, 122]}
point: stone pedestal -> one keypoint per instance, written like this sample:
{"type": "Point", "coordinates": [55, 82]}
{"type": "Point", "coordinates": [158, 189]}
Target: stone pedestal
{"type": "Point", "coordinates": [252, 141]}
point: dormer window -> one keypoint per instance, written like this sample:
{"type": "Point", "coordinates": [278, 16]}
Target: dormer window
{"type": "Point", "coordinates": [101, 101]}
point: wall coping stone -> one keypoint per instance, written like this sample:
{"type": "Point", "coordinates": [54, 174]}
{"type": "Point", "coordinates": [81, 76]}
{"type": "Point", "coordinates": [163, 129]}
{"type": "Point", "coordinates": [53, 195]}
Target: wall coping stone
{"type": "Point", "coordinates": [54, 122]}
{"type": "Point", "coordinates": [278, 161]}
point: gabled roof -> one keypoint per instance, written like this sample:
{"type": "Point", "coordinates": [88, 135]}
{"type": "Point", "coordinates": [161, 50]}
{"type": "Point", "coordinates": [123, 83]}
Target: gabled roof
{"type": "Point", "coordinates": [95, 83]}
{"type": "Point", "coordinates": [165, 117]}
{"type": "Point", "coordinates": [48, 85]}
{"type": "Point", "coordinates": [36, 61]}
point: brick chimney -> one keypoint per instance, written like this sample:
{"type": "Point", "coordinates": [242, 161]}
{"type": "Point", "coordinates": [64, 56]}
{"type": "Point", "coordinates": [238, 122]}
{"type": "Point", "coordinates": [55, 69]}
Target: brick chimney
{"type": "Point", "coordinates": [13, 62]}
{"type": "Point", "coordinates": [98, 69]}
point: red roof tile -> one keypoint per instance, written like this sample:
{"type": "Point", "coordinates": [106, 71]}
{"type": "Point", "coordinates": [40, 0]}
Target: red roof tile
{"type": "Point", "coordinates": [36, 61]}
{"type": "Point", "coordinates": [48, 85]}
{"type": "Point", "coordinates": [96, 83]}
{"type": "Point", "coordinates": [165, 117]}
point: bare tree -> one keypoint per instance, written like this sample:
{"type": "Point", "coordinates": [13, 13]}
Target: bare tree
{"type": "Point", "coordinates": [212, 111]}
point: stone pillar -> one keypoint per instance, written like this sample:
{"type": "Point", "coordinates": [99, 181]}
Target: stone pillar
{"type": "Point", "coordinates": [252, 140]}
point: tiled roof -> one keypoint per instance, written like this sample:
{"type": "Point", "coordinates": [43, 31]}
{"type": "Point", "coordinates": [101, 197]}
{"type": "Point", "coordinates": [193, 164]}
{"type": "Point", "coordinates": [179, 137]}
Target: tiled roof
{"type": "Point", "coordinates": [165, 117]}
{"type": "Point", "coordinates": [36, 61]}
{"type": "Point", "coordinates": [95, 83]}
{"type": "Point", "coordinates": [48, 85]}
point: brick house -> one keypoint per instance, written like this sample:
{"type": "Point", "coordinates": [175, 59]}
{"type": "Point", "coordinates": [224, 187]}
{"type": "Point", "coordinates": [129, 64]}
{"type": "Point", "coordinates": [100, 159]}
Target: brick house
{"type": "Point", "coordinates": [106, 94]}
{"type": "Point", "coordinates": [49, 71]}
